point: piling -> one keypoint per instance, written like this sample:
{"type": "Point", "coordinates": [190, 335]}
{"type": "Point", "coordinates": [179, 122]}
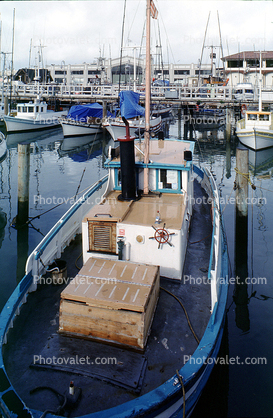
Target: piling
{"type": "Point", "coordinates": [241, 241]}
{"type": "Point", "coordinates": [23, 183]}
{"type": "Point", "coordinates": [6, 105]}
{"type": "Point", "coordinates": [228, 124]}
{"type": "Point", "coordinates": [23, 208]}
{"type": "Point", "coordinates": [179, 120]}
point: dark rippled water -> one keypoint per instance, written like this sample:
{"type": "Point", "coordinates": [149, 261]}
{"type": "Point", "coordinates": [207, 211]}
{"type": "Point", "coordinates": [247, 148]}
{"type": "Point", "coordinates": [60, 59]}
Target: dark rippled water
{"type": "Point", "coordinates": [59, 167]}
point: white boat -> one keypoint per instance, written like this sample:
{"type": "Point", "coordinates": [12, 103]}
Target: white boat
{"type": "Point", "coordinates": [33, 116]}
{"type": "Point", "coordinates": [255, 130]}
{"type": "Point", "coordinates": [123, 302]}
{"type": "Point", "coordinates": [244, 92]}
{"type": "Point", "coordinates": [83, 119]}
{"type": "Point", "coordinates": [134, 113]}
{"type": "Point", "coordinates": [74, 128]}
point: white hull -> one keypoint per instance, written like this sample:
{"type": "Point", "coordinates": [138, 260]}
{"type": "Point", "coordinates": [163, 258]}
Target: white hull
{"type": "Point", "coordinates": [117, 128]}
{"type": "Point", "coordinates": [256, 139]}
{"type": "Point", "coordinates": [15, 124]}
{"type": "Point", "coordinates": [71, 128]}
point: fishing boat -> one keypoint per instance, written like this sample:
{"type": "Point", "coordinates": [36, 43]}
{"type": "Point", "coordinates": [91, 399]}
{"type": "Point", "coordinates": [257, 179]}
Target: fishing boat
{"type": "Point", "coordinates": [134, 113]}
{"type": "Point", "coordinates": [111, 339]}
{"type": "Point", "coordinates": [83, 119]}
{"type": "Point", "coordinates": [255, 130]}
{"type": "Point", "coordinates": [33, 116]}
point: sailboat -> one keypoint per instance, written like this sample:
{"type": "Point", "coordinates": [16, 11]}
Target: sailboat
{"type": "Point", "coordinates": [112, 340]}
{"type": "Point", "coordinates": [255, 130]}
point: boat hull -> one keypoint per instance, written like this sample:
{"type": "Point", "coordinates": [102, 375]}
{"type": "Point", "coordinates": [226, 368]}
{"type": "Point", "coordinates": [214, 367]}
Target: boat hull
{"type": "Point", "coordinates": [256, 139]}
{"type": "Point", "coordinates": [14, 124]}
{"type": "Point", "coordinates": [117, 129]}
{"type": "Point", "coordinates": [71, 128]}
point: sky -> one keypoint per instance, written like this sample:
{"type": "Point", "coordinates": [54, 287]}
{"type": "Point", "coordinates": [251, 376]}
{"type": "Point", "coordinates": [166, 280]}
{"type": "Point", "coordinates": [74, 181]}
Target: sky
{"type": "Point", "coordinates": [73, 32]}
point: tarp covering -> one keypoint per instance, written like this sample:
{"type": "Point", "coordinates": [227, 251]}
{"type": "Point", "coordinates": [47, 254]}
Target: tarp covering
{"type": "Point", "coordinates": [129, 107]}
{"type": "Point", "coordinates": [82, 112]}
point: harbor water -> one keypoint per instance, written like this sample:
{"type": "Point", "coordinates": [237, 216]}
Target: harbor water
{"type": "Point", "coordinates": [241, 382]}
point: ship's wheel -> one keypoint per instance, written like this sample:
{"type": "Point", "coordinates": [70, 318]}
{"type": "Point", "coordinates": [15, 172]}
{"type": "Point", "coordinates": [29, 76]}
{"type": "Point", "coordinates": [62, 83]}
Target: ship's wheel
{"type": "Point", "coordinates": [162, 236]}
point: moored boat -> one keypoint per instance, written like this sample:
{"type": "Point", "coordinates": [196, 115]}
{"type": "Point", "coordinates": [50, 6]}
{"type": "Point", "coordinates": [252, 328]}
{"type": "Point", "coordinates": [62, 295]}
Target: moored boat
{"type": "Point", "coordinates": [255, 130]}
{"type": "Point", "coordinates": [85, 119]}
{"type": "Point", "coordinates": [126, 301]}
{"type": "Point", "coordinates": [134, 113]}
{"type": "Point", "coordinates": [32, 116]}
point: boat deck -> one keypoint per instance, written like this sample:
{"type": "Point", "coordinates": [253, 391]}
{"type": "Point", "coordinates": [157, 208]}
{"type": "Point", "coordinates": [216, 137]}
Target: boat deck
{"type": "Point", "coordinates": [109, 375]}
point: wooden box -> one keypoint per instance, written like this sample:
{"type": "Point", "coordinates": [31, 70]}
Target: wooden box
{"type": "Point", "coordinates": [111, 301]}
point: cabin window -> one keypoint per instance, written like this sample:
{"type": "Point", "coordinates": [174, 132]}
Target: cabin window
{"type": "Point", "coordinates": [24, 109]}
{"type": "Point", "coordinates": [37, 109]}
{"type": "Point", "coordinates": [168, 179]}
{"type": "Point", "coordinates": [252, 116]}
{"type": "Point", "coordinates": [264, 117]}
{"type": "Point", "coordinates": [102, 236]}
{"type": "Point", "coordinates": [30, 109]}
{"type": "Point", "coordinates": [19, 109]}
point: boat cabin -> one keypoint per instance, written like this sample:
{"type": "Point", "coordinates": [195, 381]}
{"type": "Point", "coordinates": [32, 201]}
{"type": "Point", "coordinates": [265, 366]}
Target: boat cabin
{"type": "Point", "coordinates": [256, 118]}
{"type": "Point", "coordinates": [31, 109]}
{"type": "Point", "coordinates": [150, 228]}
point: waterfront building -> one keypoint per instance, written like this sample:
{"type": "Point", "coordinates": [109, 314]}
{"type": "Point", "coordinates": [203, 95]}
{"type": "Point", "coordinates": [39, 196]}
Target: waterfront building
{"type": "Point", "coordinates": [244, 67]}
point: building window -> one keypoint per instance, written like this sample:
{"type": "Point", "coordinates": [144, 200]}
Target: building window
{"type": "Point", "coordinates": [181, 72]}
{"type": "Point", "coordinates": [269, 63]}
{"type": "Point", "coordinates": [253, 63]}
{"type": "Point", "coordinates": [235, 64]}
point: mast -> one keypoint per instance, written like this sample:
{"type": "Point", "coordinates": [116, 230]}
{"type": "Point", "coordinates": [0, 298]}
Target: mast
{"type": "Point", "coordinates": [147, 99]}
{"type": "Point", "coordinates": [260, 84]}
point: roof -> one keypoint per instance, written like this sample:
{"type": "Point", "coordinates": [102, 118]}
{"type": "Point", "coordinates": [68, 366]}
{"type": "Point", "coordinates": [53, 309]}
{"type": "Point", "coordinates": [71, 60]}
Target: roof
{"type": "Point", "coordinates": [166, 152]}
{"type": "Point", "coordinates": [249, 55]}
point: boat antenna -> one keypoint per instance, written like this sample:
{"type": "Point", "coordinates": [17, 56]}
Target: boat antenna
{"type": "Point", "coordinates": [121, 46]}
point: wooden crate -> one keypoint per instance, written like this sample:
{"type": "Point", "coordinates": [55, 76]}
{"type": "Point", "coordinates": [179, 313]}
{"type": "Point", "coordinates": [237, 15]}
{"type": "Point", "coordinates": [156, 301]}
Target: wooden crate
{"type": "Point", "coordinates": [111, 301]}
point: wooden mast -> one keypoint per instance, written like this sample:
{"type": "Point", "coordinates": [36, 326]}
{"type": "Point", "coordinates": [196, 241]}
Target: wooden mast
{"type": "Point", "coordinates": [147, 99]}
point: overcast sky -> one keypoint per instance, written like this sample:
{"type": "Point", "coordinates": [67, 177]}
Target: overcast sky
{"type": "Point", "coordinates": [79, 31]}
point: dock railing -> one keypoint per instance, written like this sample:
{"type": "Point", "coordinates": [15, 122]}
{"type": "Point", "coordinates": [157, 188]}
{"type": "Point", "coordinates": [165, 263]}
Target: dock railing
{"type": "Point", "coordinates": [111, 91]}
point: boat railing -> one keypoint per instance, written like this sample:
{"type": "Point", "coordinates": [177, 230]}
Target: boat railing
{"type": "Point", "coordinates": [215, 271]}
{"type": "Point", "coordinates": [63, 232]}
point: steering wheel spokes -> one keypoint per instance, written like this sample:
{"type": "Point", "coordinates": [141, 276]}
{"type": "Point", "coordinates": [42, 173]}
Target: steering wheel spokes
{"type": "Point", "coordinates": [162, 236]}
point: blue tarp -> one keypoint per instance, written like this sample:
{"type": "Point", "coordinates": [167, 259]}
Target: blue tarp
{"type": "Point", "coordinates": [82, 112]}
{"type": "Point", "coordinates": [129, 107]}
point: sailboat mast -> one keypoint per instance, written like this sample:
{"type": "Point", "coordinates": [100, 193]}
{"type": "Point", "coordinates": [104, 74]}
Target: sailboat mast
{"type": "Point", "coordinates": [260, 84]}
{"type": "Point", "coordinates": [147, 98]}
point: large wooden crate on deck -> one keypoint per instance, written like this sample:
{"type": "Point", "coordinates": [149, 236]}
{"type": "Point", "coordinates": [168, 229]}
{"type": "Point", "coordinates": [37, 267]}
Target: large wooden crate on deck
{"type": "Point", "coordinates": [111, 301]}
